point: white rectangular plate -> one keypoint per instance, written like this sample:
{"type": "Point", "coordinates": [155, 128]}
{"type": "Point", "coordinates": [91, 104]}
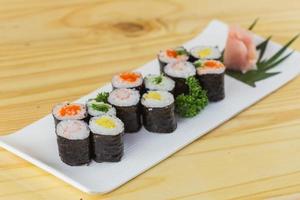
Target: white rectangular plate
{"type": "Point", "coordinates": [36, 143]}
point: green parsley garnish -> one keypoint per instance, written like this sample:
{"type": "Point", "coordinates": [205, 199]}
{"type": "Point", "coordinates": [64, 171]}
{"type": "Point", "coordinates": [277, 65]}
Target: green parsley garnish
{"type": "Point", "coordinates": [100, 107]}
{"type": "Point", "coordinates": [157, 80]}
{"type": "Point", "coordinates": [102, 97]}
{"type": "Point", "coordinates": [189, 105]}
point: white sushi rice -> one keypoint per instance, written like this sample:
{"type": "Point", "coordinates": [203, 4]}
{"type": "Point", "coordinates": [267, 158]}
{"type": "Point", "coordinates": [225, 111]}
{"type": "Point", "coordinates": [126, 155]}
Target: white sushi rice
{"type": "Point", "coordinates": [180, 69]}
{"type": "Point", "coordinates": [124, 97]}
{"type": "Point", "coordinates": [163, 56]}
{"type": "Point", "coordinates": [214, 52]}
{"type": "Point", "coordinates": [80, 115]}
{"type": "Point", "coordinates": [202, 70]}
{"type": "Point", "coordinates": [118, 82]}
{"type": "Point", "coordinates": [94, 112]}
{"type": "Point", "coordinates": [73, 129]}
{"type": "Point", "coordinates": [166, 84]}
{"type": "Point", "coordinates": [166, 98]}
{"type": "Point", "coordinates": [96, 128]}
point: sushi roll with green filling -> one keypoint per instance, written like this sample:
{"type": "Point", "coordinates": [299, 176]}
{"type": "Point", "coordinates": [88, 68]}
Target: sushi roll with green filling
{"type": "Point", "coordinates": [210, 74]}
{"type": "Point", "coordinates": [159, 112]}
{"type": "Point", "coordinates": [73, 142]}
{"type": "Point", "coordinates": [179, 72]}
{"type": "Point", "coordinates": [131, 80]}
{"type": "Point", "coordinates": [127, 104]}
{"type": "Point", "coordinates": [204, 53]}
{"type": "Point", "coordinates": [107, 138]}
{"type": "Point", "coordinates": [171, 55]}
{"type": "Point", "coordinates": [96, 108]}
{"type": "Point", "coordinates": [159, 82]}
{"type": "Point", "coordinates": [66, 110]}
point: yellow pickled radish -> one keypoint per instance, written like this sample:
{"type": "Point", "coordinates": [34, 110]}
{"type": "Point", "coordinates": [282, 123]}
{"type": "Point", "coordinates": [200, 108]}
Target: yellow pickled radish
{"type": "Point", "coordinates": [106, 122]}
{"type": "Point", "coordinates": [153, 95]}
{"type": "Point", "coordinates": [204, 52]}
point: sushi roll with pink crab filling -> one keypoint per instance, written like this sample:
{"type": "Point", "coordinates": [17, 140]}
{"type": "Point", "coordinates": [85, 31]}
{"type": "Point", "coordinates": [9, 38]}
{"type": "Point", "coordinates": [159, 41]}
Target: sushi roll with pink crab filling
{"type": "Point", "coordinates": [127, 104]}
{"type": "Point", "coordinates": [73, 142]}
{"type": "Point", "coordinates": [179, 72]}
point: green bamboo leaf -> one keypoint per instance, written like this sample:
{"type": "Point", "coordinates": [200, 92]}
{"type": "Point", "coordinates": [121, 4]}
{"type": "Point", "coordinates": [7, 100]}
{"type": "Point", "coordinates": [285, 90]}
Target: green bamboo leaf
{"type": "Point", "coordinates": [260, 45]}
{"type": "Point", "coordinates": [262, 48]}
{"type": "Point", "coordinates": [280, 52]}
{"type": "Point", "coordinates": [265, 68]}
{"type": "Point", "coordinates": [253, 24]}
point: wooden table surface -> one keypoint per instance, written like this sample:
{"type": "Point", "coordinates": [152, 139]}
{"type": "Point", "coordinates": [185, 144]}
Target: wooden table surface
{"type": "Point", "coordinates": [52, 51]}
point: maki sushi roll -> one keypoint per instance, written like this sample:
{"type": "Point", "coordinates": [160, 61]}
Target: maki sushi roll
{"type": "Point", "coordinates": [66, 110]}
{"type": "Point", "coordinates": [210, 74]}
{"type": "Point", "coordinates": [171, 55]}
{"type": "Point", "coordinates": [205, 53]}
{"type": "Point", "coordinates": [96, 108]}
{"type": "Point", "coordinates": [179, 72]}
{"type": "Point", "coordinates": [127, 104]}
{"type": "Point", "coordinates": [159, 82]}
{"type": "Point", "coordinates": [107, 138]}
{"type": "Point", "coordinates": [73, 142]}
{"type": "Point", "coordinates": [159, 112]}
{"type": "Point", "coordinates": [132, 80]}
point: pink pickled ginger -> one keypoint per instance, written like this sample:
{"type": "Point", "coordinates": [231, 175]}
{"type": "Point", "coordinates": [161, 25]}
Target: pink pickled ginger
{"type": "Point", "coordinates": [240, 51]}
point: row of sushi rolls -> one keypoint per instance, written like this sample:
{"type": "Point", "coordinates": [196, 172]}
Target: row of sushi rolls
{"type": "Point", "coordinates": [188, 81]}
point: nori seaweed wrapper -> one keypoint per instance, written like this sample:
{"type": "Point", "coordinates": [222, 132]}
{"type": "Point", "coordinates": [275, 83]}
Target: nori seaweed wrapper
{"type": "Point", "coordinates": [192, 59]}
{"type": "Point", "coordinates": [214, 86]}
{"type": "Point", "coordinates": [130, 116]}
{"type": "Point", "coordinates": [107, 148]}
{"type": "Point", "coordinates": [74, 152]}
{"type": "Point", "coordinates": [171, 91]}
{"type": "Point", "coordinates": [180, 86]}
{"type": "Point", "coordinates": [162, 64]}
{"type": "Point", "coordinates": [160, 120]}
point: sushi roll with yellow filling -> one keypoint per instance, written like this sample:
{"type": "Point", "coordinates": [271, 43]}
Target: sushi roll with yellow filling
{"type": "Point", "coordinates": [107, 138]}
{"type": "Point", "coordinates": [159, 112]}
{"type": "Point", "coordinates": [73, 142]}
{"type": "Point", "coordinates": [179, 72]}
{"type": "Point", "coordinates": [172, 55]}
{"type": "Point", "coordinates": [127, 104]}
{"type": "Point", "coordinates": [131, 80]}
{"type": "Point", "coordinates": [204, 53]}
{"type": "Point", "coordinates": [210, 74]}
{"type": "Point", "coordinates": [159, 82]}
{"type": "Point", "coordinates": [66, 110]}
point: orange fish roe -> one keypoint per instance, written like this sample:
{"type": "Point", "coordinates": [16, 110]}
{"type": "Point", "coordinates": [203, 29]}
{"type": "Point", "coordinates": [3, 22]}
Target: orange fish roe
{"type": "Point", "coordinates": [213, 64]}
{"type": "Point", "coordinates": [130, 76]}
{"type": "Point", "coordinates": [69, 110]}
{"type": "Point", "coordinates": [171, 53]}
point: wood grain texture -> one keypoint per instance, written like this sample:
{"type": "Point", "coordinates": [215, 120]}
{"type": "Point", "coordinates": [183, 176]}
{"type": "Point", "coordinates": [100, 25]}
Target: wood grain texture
{"type": "Point", "coordinates": [52, 51]}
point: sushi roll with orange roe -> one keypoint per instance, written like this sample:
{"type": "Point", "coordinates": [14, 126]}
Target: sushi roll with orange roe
{"type": "Point", "coordinates": [210, 74]}
{"type": "Point", "coordinates": [66, 110]}
{"type": "Point", "coordinates": [131, 80]}
{"type": "Point", "coordinates": [171, 55]}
